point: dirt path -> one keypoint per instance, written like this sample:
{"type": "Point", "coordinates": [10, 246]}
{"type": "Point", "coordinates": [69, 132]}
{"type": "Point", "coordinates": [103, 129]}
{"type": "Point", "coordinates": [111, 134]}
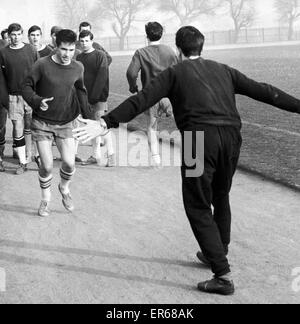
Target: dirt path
{"type": "Point", "coordinates": [129, 240]}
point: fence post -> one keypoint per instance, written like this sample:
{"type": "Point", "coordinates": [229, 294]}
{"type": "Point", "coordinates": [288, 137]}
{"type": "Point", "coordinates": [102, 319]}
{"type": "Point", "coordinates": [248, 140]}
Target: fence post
{"type": "Point", "coordinates": [263, 35]}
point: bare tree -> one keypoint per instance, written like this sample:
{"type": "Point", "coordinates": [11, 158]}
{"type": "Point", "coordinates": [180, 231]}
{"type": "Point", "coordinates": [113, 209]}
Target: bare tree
{"type": "Point", "coordinates": [242, 13]}
{"type": "Point", "coordinates": [186, 11]}
{"type": "Point", "coordinates": [71, 12]}
{"type": "Point", "coordinates": [123, 14]}
{"type": "Point", "coordinates": [289, 11]}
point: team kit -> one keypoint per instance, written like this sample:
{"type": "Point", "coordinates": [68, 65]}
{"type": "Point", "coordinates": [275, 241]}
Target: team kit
{"type": "Point", "coordinates": [58, 93]}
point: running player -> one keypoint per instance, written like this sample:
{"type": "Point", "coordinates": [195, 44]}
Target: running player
{"type": "Point", "coordinates": [35, 39]}
{"type": "Point", "coordinates": [95, 79]}
{"type": "Point", "coordinates": [16, 61]}
{"type": "Point", "coordinates": [55, 89]}
{"type": "Point", "coordinates": [151, 61]}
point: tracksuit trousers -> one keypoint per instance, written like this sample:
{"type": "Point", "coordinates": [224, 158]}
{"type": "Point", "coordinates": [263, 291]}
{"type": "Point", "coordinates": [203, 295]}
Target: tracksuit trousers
{"type": "Point", "coordinates": [212, 226]}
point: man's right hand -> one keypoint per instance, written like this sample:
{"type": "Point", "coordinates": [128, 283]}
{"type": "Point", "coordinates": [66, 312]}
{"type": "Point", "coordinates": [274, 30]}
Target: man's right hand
{"type": "Point", "coordinates": [44, 104]}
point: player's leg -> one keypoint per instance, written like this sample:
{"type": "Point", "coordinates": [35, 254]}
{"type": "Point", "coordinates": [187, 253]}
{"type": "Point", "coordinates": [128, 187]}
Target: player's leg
{"type": "Point", "coordinates": [45, 174]}
{"type": "Point", "coordinates": [108, 139]}
{"type": "Point", "coordinates": [43, 137]}
{"type": "Point", "coordinates": [197, 197]}
{"type": "Point", "coordinates": [27, 132]}
{"type": "Point", "coordinates": [16, 115]}
{"type": "Point", "coordinates": [152, 135]}
{"type": "Point", "coordinates": [227, 164]}
{"type": "Point", "coordinates": [95, 157]}
{"type": "Point", "coordinates": [66, 147]}
{"type": "Point", "coordinates": [3, 120]}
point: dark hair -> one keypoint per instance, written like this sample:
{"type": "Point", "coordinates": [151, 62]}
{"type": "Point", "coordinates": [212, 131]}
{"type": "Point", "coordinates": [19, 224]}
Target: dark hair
{"type": "Point", "coordinates": [55, 30]}
{"type": "Point", "coordinates": [86, 33]}
{"type": "Point", "coordinates": [4, 31]}
{"type": "Point", "coordinates": [34, 29]}
{"type": "Point", "coordinates": [14, 27]}
{"type": "Point", "coordinates": [65, 36]}
{"type": "Point", "coordinates": [85, 24]}
{"type": "Point", "coordinates": [190, 40]}
{"type": "Point", "coordinates": [154, 31]}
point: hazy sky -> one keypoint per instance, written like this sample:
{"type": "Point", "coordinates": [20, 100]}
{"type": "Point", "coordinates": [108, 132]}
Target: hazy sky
{"type": "Point", "coordinates": [40, 12]}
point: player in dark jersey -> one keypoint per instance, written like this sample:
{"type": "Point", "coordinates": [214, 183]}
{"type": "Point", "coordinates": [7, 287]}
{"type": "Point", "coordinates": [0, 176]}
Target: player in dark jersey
{"type": "Point", "coordinates": [55, 90]}
{"type": "Point", "coordinates": [35, 39]}
{"type": "Point", "coordinates": [16, 60]}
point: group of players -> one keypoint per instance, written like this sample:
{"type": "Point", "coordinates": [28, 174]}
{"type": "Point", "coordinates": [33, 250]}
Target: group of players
{"type": "Point", "coordinates": [45, 97]}
{"type": "Point", "coordinates": [44, 88]}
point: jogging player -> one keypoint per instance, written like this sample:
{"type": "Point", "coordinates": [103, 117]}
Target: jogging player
{"type": "Point", "coordinates": [151, 61]}
{"type": "Point", "coordinates": [55, 89]}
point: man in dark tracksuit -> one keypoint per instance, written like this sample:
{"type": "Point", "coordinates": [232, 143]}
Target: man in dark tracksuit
{"type": "Point", "coordinates": [202, 94]}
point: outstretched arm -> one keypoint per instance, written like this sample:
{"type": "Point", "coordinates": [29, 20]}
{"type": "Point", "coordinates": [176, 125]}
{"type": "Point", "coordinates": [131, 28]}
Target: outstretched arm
{"type": "Point", "coordinates": [264, 92]}
{"type": "Point", "coordinates": [159, 88]}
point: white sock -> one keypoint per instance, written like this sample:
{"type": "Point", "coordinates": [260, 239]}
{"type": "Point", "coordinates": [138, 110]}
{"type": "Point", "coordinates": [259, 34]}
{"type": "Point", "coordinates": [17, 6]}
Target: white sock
{"type": "Point", "coordinates": [22, 154]}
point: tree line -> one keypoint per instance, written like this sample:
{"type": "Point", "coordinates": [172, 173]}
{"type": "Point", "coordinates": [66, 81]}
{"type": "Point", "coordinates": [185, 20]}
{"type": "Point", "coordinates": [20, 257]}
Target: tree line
{"type": "Point", "coordinates": [122, 14]}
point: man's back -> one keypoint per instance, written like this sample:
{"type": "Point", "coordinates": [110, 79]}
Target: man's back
{"type": "Point", "coordinates": [151, 61]}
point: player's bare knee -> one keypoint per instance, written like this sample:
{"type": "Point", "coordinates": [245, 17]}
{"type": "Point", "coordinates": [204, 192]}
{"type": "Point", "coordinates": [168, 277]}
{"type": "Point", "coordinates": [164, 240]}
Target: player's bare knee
{"type": "Point", "coordinates": [46, 170]}
{"type": "Point", "coordinates": [68, 166]}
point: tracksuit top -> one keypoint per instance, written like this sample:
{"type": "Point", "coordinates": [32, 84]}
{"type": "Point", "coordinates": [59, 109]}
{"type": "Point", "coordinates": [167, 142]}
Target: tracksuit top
{"type": "Point", "coordinates": [63, 82]}
{"type": "Point", "coordinates": [201, 92]}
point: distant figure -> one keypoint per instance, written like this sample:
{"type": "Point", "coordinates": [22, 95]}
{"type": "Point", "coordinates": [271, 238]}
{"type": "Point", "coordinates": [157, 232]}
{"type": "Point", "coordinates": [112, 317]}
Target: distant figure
{"type": "Point", "coordinates": [95, 79]}
{"type": "Point", "coordinates": [203, 95]}
{"type": "Point", "coordinates": [35, 39]}
{"type": "Point", "coordinates": [4, 41]}
{"type": "Point", "coordinates": [87, 26]}
{"type": "Point", "coordinates": [151, 61]}
{"type": "Point", "coordinates": [53, 33]}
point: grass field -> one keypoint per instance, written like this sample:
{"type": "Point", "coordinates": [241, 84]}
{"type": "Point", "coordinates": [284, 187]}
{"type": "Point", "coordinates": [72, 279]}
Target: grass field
{"type": "Point", "coordinates": [271, 136]}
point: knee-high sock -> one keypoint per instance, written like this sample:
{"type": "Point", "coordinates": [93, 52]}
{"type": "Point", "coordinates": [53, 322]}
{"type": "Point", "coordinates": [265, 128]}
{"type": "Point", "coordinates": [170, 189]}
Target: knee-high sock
{"type": "Point", "coordinates": [45, 184]}
{"type": "Point", "coordinates": [19, 144]}
{"type": "Point", "coordinates": [66, 178]}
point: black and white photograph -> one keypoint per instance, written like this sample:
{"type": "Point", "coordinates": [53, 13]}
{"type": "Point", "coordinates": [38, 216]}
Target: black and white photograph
{"type": "Point", "coordinates": [150, 154]}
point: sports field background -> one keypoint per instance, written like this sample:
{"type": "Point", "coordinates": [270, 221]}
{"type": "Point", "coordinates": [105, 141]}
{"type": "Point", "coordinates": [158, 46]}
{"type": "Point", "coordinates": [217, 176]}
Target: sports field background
{"type": "Point", "coordinates": [271, 136]}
